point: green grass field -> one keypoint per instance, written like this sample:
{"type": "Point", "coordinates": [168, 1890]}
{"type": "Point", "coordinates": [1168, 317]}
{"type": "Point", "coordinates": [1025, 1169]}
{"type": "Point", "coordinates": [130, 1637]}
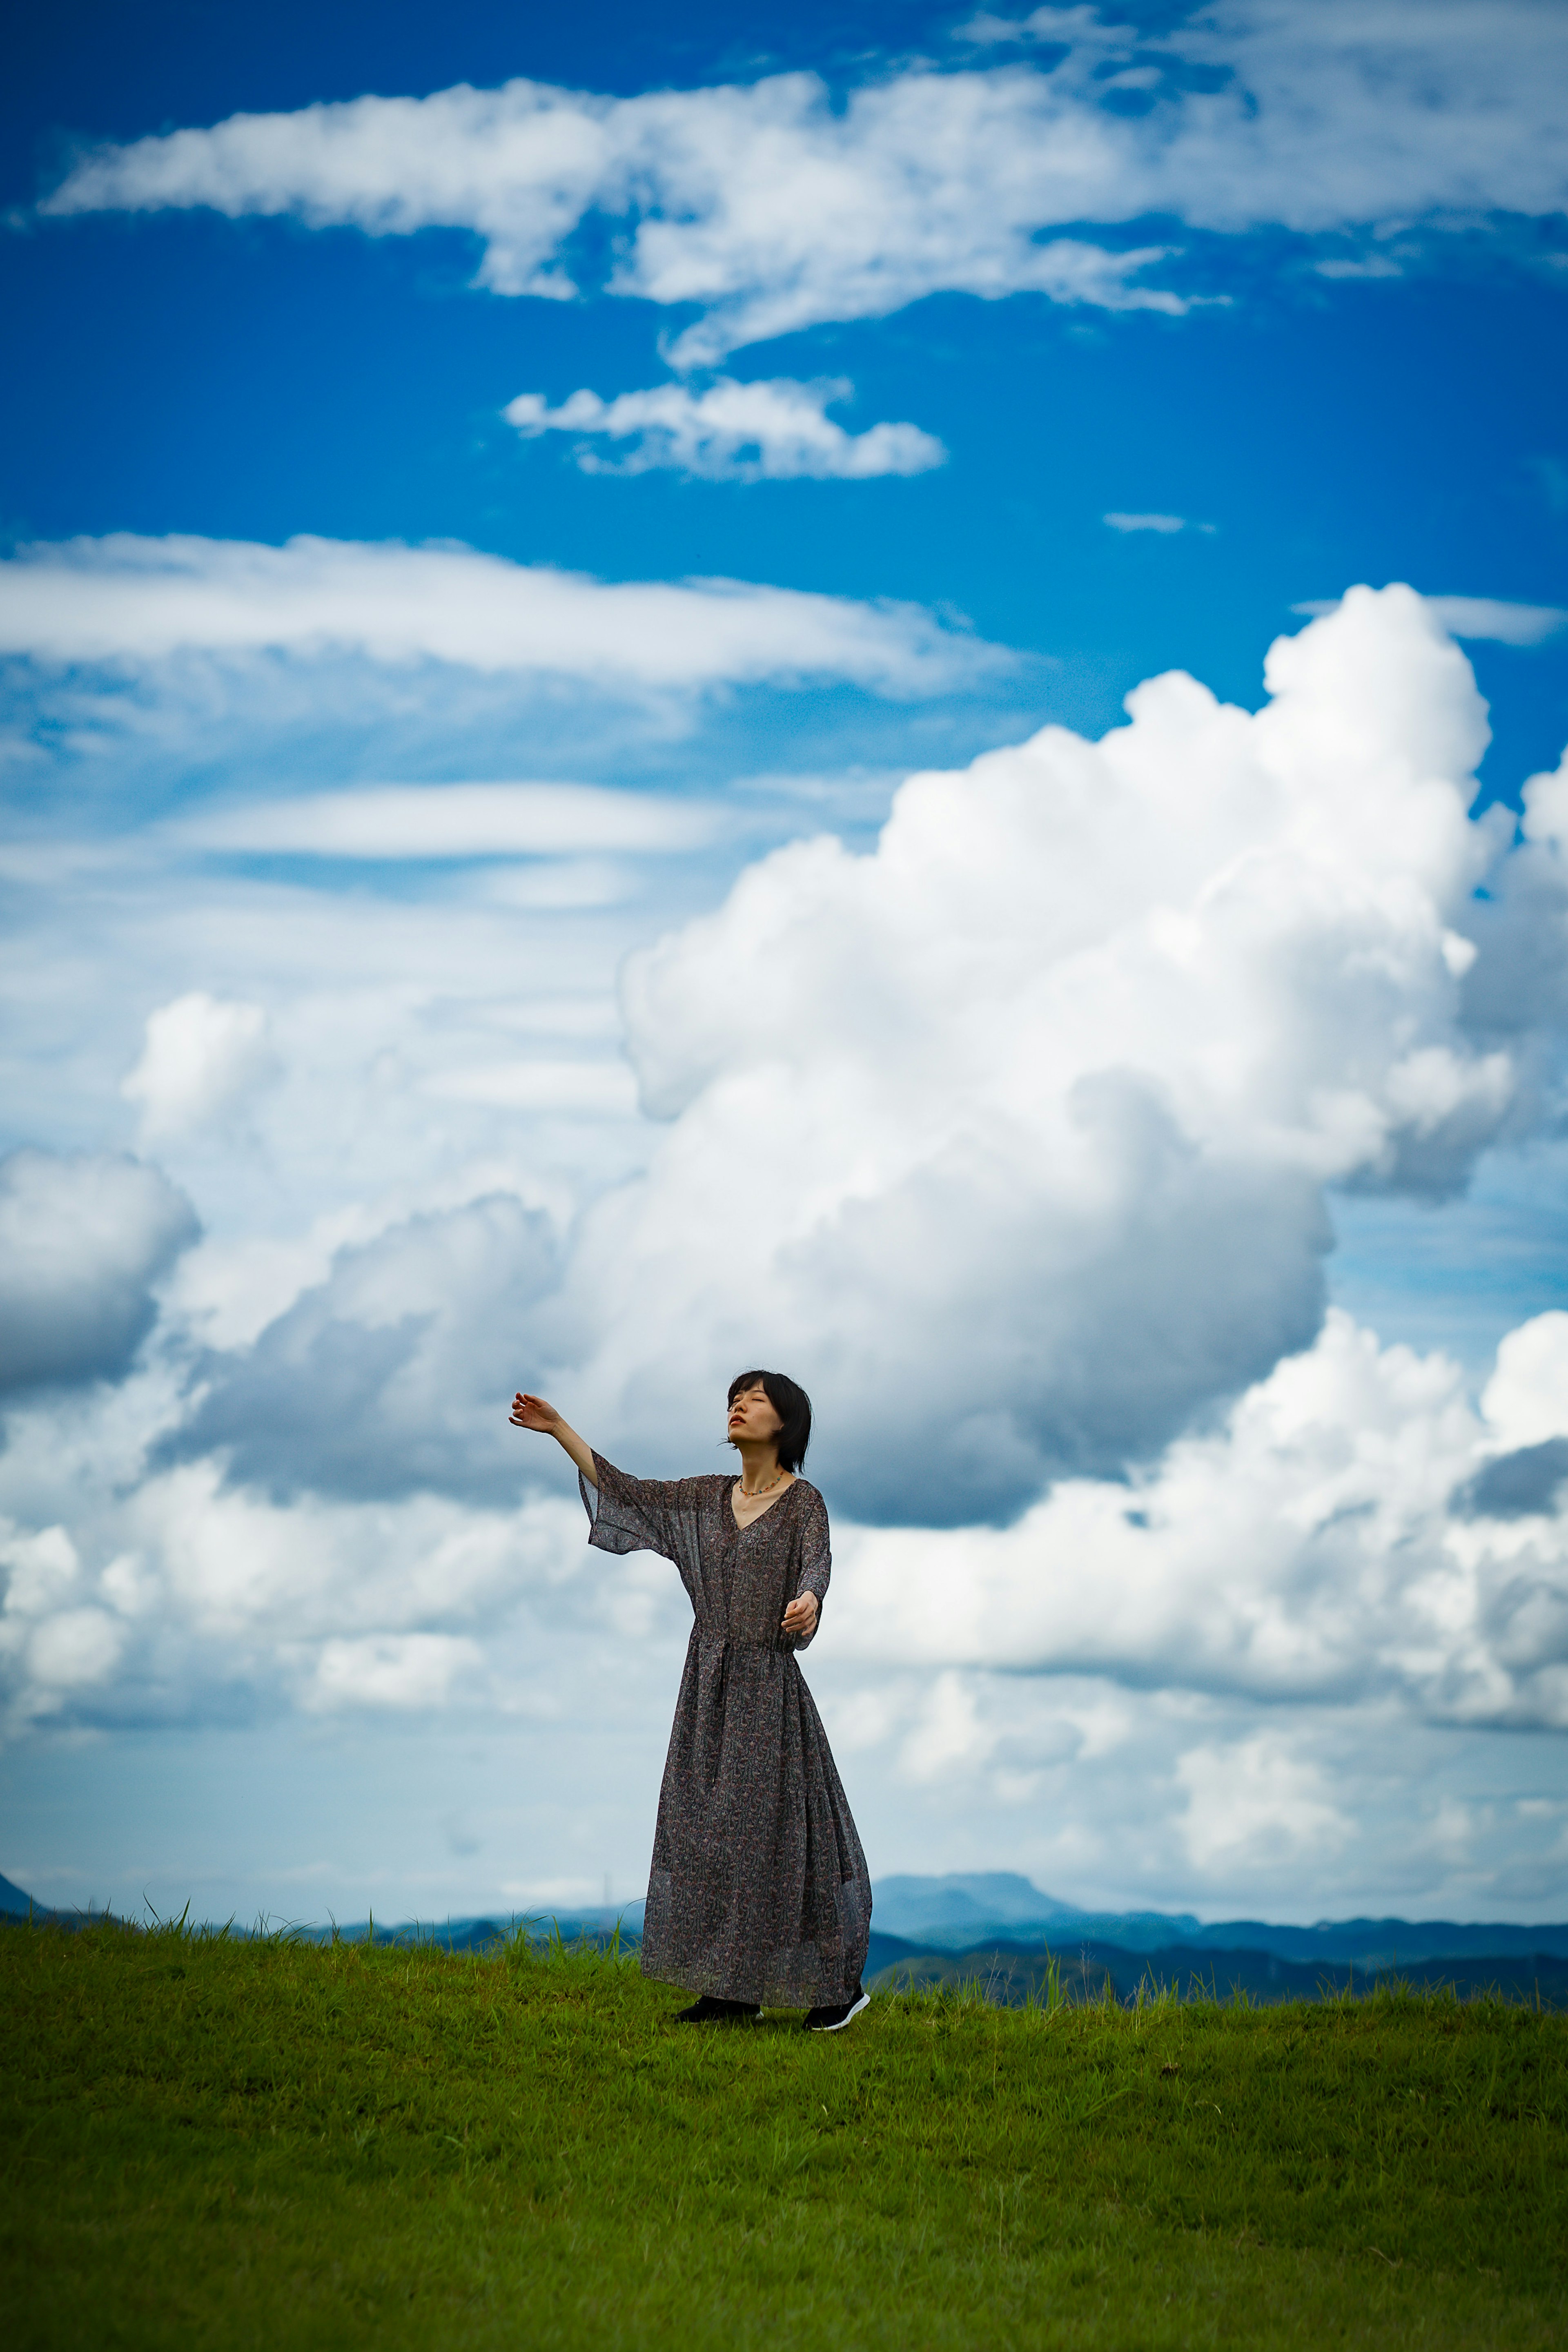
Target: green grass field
{"type": "Point", "coordinates": [210, 2140]}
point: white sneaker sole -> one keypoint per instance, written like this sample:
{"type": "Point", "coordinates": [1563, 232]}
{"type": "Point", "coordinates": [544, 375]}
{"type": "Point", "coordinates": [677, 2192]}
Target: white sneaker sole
{"type": "Point", "coordinates": [864, 2002]}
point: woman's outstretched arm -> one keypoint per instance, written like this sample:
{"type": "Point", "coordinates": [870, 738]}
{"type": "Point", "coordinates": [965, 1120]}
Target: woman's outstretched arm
{"type": "Point", "coordinates": [533, 1412]}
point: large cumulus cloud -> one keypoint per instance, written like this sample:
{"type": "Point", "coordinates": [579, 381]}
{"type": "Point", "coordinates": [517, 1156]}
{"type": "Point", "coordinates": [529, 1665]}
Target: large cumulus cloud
{"type": "Point", "coordinates": [1017, 1133]}
{"type": "Point", "coordinates": [83, 1241]}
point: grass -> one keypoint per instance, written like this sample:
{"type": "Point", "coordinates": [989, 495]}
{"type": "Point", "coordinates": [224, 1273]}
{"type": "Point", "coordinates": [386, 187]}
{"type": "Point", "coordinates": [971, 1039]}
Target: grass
{"type": "Point", "coordinates": [211, 2139]}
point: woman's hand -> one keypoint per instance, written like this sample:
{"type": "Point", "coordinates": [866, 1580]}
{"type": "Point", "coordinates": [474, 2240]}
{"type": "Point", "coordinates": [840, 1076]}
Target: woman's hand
{"type": "Point", "coordinates": [533, 1412]}
{"type": "Point", "coordinates": [800, 1617]}
{"type": "Point", "coordinates": [536, 1412]}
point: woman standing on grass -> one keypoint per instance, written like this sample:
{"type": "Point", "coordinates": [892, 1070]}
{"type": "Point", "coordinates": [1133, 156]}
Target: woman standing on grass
{"type": "Point", "coordinates": [759, 1890]}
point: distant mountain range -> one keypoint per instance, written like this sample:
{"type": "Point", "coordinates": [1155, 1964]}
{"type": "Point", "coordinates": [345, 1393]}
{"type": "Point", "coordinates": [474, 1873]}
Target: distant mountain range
{"type": "Point", "coordinates": [966, 1909]}
{"type": "Point", "coordinates": [1000, 1918]}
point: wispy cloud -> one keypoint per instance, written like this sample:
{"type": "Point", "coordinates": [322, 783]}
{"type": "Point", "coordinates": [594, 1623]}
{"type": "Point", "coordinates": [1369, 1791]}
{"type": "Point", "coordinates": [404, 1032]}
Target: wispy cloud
{"type": "Point", "coordinates": [125, 598]}
{"type": "Point", "coordinates": [776, 431]}
{"type": "Point", "coordinates": [770, 207]}
{"type": "Point", "coordinates": [1475, 616]}
{"type": "Point", "coordinates": [1366, 265]}
{"type": "Point", "coordinates": [1489, 616]}
{"type": "Point", "coordinates": [1166, 525]}
{"type": "Point", "coordinates": [381, 822]}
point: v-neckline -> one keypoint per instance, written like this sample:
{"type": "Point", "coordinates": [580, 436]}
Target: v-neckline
{"type": "Point", "coordinates": [741, 1525]}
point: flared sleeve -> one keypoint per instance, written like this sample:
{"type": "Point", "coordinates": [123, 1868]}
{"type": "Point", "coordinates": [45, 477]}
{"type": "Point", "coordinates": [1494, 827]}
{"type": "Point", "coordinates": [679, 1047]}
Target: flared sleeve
{"type": "Point", "coordinates": [635, 1514]}
{"type": "Point", "coordinates": [816, 1560]}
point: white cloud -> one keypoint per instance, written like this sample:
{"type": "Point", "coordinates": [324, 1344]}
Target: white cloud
{"type": "Point", "coordinates": [776, 431]}
{"type": "Point", "coordinates": [770, 207]}
{"type": "Point", "coordinates": [590, 1088]}
{"type": "Point", "coordinates": [390, 1376]}
{"type": "Point", "coordinates": [1545, 822]}
{"type": "Point", "coordinates": [948, 1730]}
{"type": "Point", "coordinates": [83, 1241]}
{"type": "Point", "coordinates": [398, 1670]}
{"type": "Point", "coordinates": [1475, 616]}
{"type": "Point", "coordinates": [1372, 265]}
{"type": "Point", "coordinates": [565, 883]}
{"type": "Point", "coordinates": [178, 1587]}
{"type": "Point", "coordinates": [204, 1057]}
{"type": "Point", "coordinates": [1344, 1536]}
{"type": "Point", "coordinates": [43, 1570]}
{"type": "Point", "coordinates": [379, 822]}
{"type": "Point", "coordinates": [1251, 1802]}
{"type": "Point", "coordinates": [1526, 1400]}
{"type": "Point", "coordinates": [1166, 524]}
{"type": "Point", "coordinates": [234, 1567]}
{"type": "Point", "coordinates": [125, 598]}
{"type": "Point", "coordinates": [80, 1647]}
{"type": "Point", "coordinates": [1084, 1038]}
{"type": "Point", "coordinates": [1508, 625]}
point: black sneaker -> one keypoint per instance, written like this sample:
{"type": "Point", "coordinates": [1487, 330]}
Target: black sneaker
{"type": "Point", "coordinates": [711, 2010]}
{"type": "Point", "coordinates": [833, 2020]}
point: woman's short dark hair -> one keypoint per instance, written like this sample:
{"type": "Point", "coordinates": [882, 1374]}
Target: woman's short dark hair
{"type": "Point", "coordinates": [791, 1404]}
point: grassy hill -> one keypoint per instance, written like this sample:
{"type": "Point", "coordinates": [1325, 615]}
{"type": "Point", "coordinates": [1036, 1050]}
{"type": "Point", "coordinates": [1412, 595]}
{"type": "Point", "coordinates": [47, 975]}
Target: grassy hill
{"type": "Point", "coordinates": [212, 2139]}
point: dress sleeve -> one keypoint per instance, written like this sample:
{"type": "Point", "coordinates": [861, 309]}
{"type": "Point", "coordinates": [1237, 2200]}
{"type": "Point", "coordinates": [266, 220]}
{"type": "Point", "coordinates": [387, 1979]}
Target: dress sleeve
{"type": "Point", "coordinates": [816, 1561]}
{"type": "Point", "coordinates": [634, 1514]}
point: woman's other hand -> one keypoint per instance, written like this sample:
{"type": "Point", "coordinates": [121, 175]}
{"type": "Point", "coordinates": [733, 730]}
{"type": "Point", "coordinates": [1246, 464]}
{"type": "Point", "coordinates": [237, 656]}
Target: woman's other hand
{"type": "Point", "coordinates": [533, 1412]}
{"type": "Point", "coordinates": [800, 1617]}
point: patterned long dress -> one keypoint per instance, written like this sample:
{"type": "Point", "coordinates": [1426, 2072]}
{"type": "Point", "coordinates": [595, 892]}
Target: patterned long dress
{"type": "Point", "coordinates": [758, 1889]}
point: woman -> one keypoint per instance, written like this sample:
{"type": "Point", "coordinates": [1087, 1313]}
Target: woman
{"type": "Point", "coordinates": [759, 1890]}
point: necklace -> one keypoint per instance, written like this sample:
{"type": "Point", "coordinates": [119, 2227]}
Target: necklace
{"type": "Point", "coordinates": [750, 1492]}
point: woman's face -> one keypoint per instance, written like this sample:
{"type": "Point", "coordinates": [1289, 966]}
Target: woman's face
{"type": "Point", "coordinates": [752, 1417]}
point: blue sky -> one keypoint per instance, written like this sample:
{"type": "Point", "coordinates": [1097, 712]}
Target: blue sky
{"type": "Point", "coordinates": [250, 380]}
{"type": "Point", "coordinates": [991, 366]}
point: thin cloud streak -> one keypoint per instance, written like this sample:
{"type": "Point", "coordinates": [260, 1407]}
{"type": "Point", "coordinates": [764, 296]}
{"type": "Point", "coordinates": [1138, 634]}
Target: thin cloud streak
{"type": "Point", "coordinates": [1493, 617]}
{"type": "Point", "coordinates": [137, 601]}
{"type": "Point", "coordinates": [386, 822]}
{"type": "Point", "coordinates": [1164, 525]}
